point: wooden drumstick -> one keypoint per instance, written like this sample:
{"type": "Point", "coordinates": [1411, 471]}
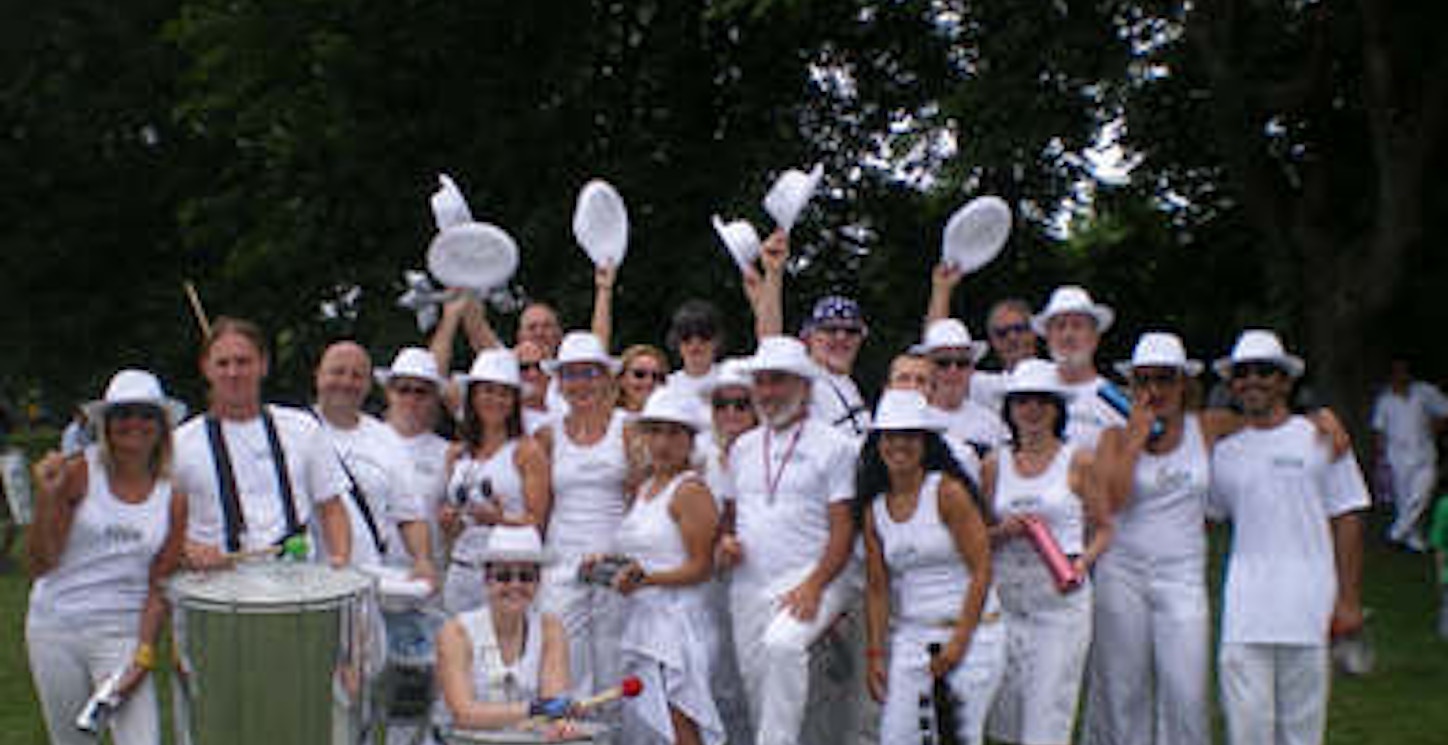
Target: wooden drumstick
{"type": "Point", "coordinates": [197, 310]}
{"type": "Point", "coordinates": [627, 688]}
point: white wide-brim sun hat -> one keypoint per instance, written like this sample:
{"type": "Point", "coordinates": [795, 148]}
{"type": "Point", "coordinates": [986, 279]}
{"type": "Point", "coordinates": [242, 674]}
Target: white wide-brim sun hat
{"type": "Point", "coordinates": [410, 362]}
{"type": "Point", "coordinates": [949, 333]}
{"type": "Point", "coordinates": [514, 543]}
{"type": "Point", "coordinates": [1260, 345]}
{"type": "Point", "coordinates": [1036, 376]}
{"type": "Point", "coordinates": [790, 193]}
{"type": "Point", "coordinates": [473, 256]}
{"type": "Point", "coordinates": [492, 366]}
{"type": "Point", "coordinates": [1160, 349]}
{"type": "Point", "coordinates": [731, 373]}
{"type": "Point", "coordinates": [581, 347]}
{"type": "Point", "coordinates": [133, 386]}
{"type": "Point", "coordinates": [600, 223]}
{"type": "Point", "coordinates": [741, 239]}
{"type": "Point", "coordinates": [1073, 299]}
{"type": "Point", "coordinates": [672, 405]}
{"type": "Point", "coordinates": [976, 233]}
{"type": "Point", "coordinates": [905, 411]}
{"type": "Point", "coordinates": [784, 354]}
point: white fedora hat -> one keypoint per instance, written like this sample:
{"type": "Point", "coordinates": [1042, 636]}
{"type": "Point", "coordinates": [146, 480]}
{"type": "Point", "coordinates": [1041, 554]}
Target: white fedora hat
{"type": "Point", "coordinates": [514, 543]}
{"type": "Point", "coordinates": [132, 386]}
{"type": "Point", "coordinates": [1036, 376]}
{"type": "Point", "coordinates": [1073, 299]}
{"type": "Point", "coordinates": [742, 240]}
{"type": "Point", "coordinates": [976, 233]}
{"type": "Point", "coordinates": [905, 410]}
{"type": "Point", "coordinates": [733, 372]}
{"type": "Point", "coordinates": [784, 354]}
{"type": "Point", "coordinates": [579, 347]}
{"type": "Point", "coordinates": [474, 256]}
{"type": "Point", "coordinates": [410, 362]}
{"type": "Point", "coordinates": [600, 223]}
{"type": "Point", "coordinates": [949, 333]}
{"type": "Point", "coordinates": [674, 406]}
{"type": "Point", "coordinates": [492, 366]}
{"type": "Point", "coordinates": [790, 193]}
{"type": "Point", "coordinates": [449, 208]}
{"type": "Point", "coordinates": [1160, 349]}
{"type": "Point", "coordinates": [1260, 345]}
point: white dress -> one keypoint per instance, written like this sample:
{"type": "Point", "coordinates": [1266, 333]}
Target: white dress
{"type": "Point", "coordinates": [665, 640]}
{"type": "Point", "coordinates": [1048, 633]}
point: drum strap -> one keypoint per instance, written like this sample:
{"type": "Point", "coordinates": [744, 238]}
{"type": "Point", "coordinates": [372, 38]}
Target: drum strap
{"type": "Point", "coordinates": [234, 521]}
{"type": "Point", "coordinates": [359, 497]}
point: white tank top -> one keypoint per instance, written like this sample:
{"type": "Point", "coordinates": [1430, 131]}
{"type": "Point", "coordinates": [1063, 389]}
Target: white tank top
{"type": "Point", "coordinates": [1165, 515]}
{"type": "Point", "coordinates": [1047, 494]}
{"type": "Point", "coordinates": [104, 571]}
{"type": "Point", "coordinates": [928, 578]}
{"type": "Point", "coordinates": [470, 479]}
{"type": "Point", "coordinates": [650, 535]}
{"type": "Point", "coordinates": [588, 500]}
{"type": "Point", "coordinates": [494, 681]}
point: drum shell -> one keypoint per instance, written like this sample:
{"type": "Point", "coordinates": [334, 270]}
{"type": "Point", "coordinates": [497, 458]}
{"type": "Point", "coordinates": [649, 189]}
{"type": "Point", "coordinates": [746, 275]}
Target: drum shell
{"type": "Point", "coordinates": [590, 732]}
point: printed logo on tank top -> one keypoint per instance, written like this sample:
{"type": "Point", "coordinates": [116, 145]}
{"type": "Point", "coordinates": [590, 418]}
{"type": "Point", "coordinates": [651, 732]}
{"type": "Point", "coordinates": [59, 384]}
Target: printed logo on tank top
{"type": "Point", "coordinates": [1169, 479]}
{"type": "Point", "coordinates": [1288, 462]}
{"type": "Point", "coordinates": [117, 536]}
{"type": "Point", "coordinates": [1024, 503]}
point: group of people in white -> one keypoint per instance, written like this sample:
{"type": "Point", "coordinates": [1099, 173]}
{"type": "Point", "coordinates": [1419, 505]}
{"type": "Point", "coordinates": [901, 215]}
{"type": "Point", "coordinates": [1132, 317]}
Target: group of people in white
{"type": "Point", "coordinates": [714, 530]}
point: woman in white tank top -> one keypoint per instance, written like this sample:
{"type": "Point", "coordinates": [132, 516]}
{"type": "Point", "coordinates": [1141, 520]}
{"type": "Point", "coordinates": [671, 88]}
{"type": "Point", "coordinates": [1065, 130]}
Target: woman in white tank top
{"type": "Point", "coordinates": [1048, 631]}
{"type": "Point", "coordinates": [497, 475]}
{"type": "Point", "coordinates": [928, 574]}
{"type": "Point", "coordinates": [108, 531]}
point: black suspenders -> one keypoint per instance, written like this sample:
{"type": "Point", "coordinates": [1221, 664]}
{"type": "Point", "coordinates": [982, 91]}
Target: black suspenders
{"type": "Point", "coordinates": [359, 497]}
{"type": "Point", "coordinates": [233, 520]}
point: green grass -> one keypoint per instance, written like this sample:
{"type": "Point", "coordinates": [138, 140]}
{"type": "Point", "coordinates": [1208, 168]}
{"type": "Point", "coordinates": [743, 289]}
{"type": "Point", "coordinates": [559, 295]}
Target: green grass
{"type": "Point", "coordinates": [1405, 702]}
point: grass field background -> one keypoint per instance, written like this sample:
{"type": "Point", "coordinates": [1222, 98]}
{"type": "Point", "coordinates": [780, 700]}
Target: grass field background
{"type": "Point", "coordinates": [1404, 702]}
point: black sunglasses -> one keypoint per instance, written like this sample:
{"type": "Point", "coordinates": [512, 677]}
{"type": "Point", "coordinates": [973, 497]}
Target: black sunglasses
{"type": "Point", "coordinates": [640, 374]}
{"type": "Point", "coordinates": [133, 411]}
{"type": "Point", "coordinates": [504, 576]}
{"type": "Point", "coordinates": [1144, 379]}
{"type": "Point", "coordinates": [1000, 332]}
{"type": "Point", "coordinates": [960, 362]}
{"type": "Point", "coordinates": [1260, 369]}
{"type": "Point", "coordinates": [741, 403]}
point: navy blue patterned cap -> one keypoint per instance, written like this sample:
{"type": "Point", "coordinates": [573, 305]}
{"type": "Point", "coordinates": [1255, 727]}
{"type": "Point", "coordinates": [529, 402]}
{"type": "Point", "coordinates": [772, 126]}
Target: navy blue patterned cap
{"type": "Point", "coordinates": [834, 310]}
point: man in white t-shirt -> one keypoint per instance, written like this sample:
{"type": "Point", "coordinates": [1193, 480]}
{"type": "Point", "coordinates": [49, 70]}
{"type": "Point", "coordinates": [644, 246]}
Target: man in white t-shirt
{"type": "Point", "coordinates": [792, 479]}
{"type": "Point", "coordinates": [1294, 569]}
{"type": "Point", "coordinates": [1407, 417]}
{"type": "Point", "coordinates": [384, 506]}
{"type": "Point", "coordinates": [1073, 324]}
{"type": "Point", "coordinates": [414, 403]}
{"type": "Point", "coordinates": [953, 355]}
{"type": "Point", "coordinates": [252, 473]}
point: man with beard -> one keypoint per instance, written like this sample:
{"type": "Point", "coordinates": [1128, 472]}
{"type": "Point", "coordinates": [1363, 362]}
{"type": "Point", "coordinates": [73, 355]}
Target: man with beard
{"type": "Point", "coordinates": [1072, 324]}
{"type": "Point", "coordinates": [1295, 563]}
{"type": "Point", "coordinates": [792, 576]}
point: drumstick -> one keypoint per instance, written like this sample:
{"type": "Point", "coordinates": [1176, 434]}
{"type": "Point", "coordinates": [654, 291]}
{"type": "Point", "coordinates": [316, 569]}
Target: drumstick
{"type": "Point", "coordinates": [294, 547]}
{"type": "Point", "coordinates": [196, 309]}
{"type": "Point", "coordinates": [627, 688]}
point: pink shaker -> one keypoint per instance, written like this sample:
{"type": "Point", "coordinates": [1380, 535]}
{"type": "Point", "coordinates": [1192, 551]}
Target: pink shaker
{"type": "Point", "coordinates": [1057, 563]}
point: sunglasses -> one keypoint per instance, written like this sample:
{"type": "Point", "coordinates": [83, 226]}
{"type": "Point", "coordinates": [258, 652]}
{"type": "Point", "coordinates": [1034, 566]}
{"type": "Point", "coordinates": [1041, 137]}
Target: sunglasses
{"type": "Point", "coordinates": [739, 403]}
{"type": "Point", "coordinates": [504, 576]}
{"type": "Point", "coordinates": [529, 366]}
{"type": "Point", "coordinates": [404, 389]}
{"type": "Point", "coordinates": [1001, 332]}
{"type": "Point", "coordinates": [133, 411]}
{"type": "Point", "coordinates": [1032, 397]}
{"type": "Point", "coordinates": [584, 372]}
{"type": "Point", "coordinates": [1259, 369]}
{"type": "Point", "coordinates": [641, 374]}
{"type": "Point", "coordinates": [840, 330]}
{"type": "Point", "coordinates": [1163, 378]}
{"type": "Point", "coordinates": [960, 362]}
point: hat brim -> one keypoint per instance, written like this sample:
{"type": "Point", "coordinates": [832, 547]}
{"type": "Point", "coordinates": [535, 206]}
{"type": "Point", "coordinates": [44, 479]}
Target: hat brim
{"type": "Point", "coordinates": [1103, 314]}
{"type": "Point", "coordinates": [384, 375]}
{"type": "Point", "coordinates": [541, 558]}
{"type": "Point", "coordinates": [463, 380]}
{"type": "Point", "coordinates": [1191, 368]}
{"type": "Point", "coordinates": [978, 350]}
{"type": "Point", "coordinates": [1291, 364]}
{"type": "Point", "coordinates": [174, 410]}
{"type": "Point", "coordinates": [611, 364]}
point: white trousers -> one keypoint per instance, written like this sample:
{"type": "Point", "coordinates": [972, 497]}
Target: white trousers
{"type": "Point", "coordinates": [772, 647]}
{"type": "Point", "coordinates": [1148, 670]}
{"type": "Point", "coordinates": [68, 663]}
{"type": "Point", "coordinates": [593, 618]}
{"type": "Point", "coordinates": [1412, 486]}
{"type": "Point", "coordinates": [726, 682]}
{"type": "Point", "coordinates": [1274, 694]}
{"type": "Point", "coordinates": [974, 681]}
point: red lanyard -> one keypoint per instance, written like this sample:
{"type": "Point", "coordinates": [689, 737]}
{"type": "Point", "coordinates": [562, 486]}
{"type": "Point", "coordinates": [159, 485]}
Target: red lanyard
{"type": "Point", "coordinates": [771, 483]}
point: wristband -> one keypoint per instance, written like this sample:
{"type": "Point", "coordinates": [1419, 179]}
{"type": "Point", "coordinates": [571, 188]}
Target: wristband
{"type": "Point", "coordinates": [144, 657]}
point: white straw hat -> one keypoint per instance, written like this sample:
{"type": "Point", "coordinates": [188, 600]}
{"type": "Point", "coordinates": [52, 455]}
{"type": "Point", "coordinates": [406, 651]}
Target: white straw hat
{"type": "Point", "coordinates": [742, 240]}
{"type": "Point", "coordinates": [790, 193]}
{"type": "Point", "coordinates": [1260, 345]}
{"type": "Point", "coordinates": [905, 410]}
{"type": "Point", "coordinates": [976, 233]}
{"type": "Point", "coordinates": [1160, 349]}
{"type": "Point", "coordinates": [783, 354]}
{"type": "Point", "coordinates": [581, 347]}
{"type": "Point", "coordinates": [949, 333]}
{"type": "Point", "coordinates": [672, 405]}
{"type": "Point", "coordinates": [730, 373]}
{"type": "Point", "coordinates": [510, 543]}
{"type": "Point", "coordinates": [1036, 376]}
{"type": "Point", "coordinates": [493, 366]}
{"type": "Point", "coordinates": [1073, 299]}
{"type": "Point", "coordinates": [410, 362]}
{"type": "Point", "coordinates": [600, 223]}
{"type": "Point", "coordinates": [132, 386]}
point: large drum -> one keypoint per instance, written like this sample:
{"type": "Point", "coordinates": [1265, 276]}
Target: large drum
{"type": "Point", "coordinates": [275, 652]}
{"type": "Point", "coordinates": [407, 683]}
{"type": "Point", "coordinates": [587, 732]}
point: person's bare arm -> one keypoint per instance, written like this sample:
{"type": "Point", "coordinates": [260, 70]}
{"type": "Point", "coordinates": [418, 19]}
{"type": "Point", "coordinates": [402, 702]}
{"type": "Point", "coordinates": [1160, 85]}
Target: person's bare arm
{"type": "Point", "coordinates": [967, 530]}
{"type": "Point", "coordinates": [553, 679]}
{"type": "Point", "coordinates": [337, 530]}
{"type": "Point", "coordinates": [944, 278]}
{"type": "Point", "coordinates": [60, 485]}
{"type": "Point", "coordinates": [877, 611]}
{"type": "Point", "coordinates": [1084, 482]}
{"type": "Point", "coordinates": [153, 613]}
{"type": "Point", "coordinates": [1347, 548]}
{"type": "Point", "coordinates": [766, 293]}
{"type": "Point", "coordinates": [603, 280]}
{"type": "Point", "coordinates": [537, 474]}
{"type": "Point", "coordinates": [476, 327]}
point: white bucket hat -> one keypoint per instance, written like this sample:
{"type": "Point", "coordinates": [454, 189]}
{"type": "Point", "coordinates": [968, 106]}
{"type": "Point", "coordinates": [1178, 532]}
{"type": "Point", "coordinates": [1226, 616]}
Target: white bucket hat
{"type": "Point", "coordinates": [742, 240]}
{"type": "Point", "coordinates": [674, 406]}
{"type": "Point", "coordinates": [1260, 345]}
{"type": "Point", "coordinates": [976, 233]}
{"type": "Point", "coordinates": [790, 193]}
{"type": "Point", "coordinates": [1073, 299]}
{"type": "Point", "coordinates": [132, 386]}
{"type": "Point", "coordinates": [410, 362]}
{"type": "Point", "coordinates": [600, 223]}
{"type": "Point", "coordinates": [1036, 376]}
{"type": "Point", "coordinates": [492, 366]}
{"type": "Point", "coordinates": [509, 543]}
{"type": "Point", "coordinates": [581, 346]}
{"type": "Point", "coordinates": [949, 333]}
{"type": "Point", "coordinates": [905, 410]}
{"type": "Point", "coordinates": [783, 354]}
{"type": "Point", "coordinates": [1160, 349]}
{"type": "Point", "coordinates": [730, 373]}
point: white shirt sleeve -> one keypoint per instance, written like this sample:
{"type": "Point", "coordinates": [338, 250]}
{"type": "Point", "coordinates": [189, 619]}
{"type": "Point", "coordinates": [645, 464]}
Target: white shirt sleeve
{"type": "Point", "coordinates": [841, 485]}
{"type": "Point", "coordinates": [1378, 422]}
{"type": "Point", "coordinates": [1344, 489]}
{"type": "Point", "coordinates": [1434, 402]}
{"type": "Point", "coordinates": [323, 467]}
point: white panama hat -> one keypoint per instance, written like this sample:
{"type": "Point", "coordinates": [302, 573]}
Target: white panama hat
{"type": "Point", "coordinates": [784, 354]}
{"type": "Point", "coordinates": [466, 253]}
{"type": "Point", "coordinates": [514, 543]}
{"type": "Point", "coordinates": [674, 406]}
{"type": "Point", "coordinates": [905, 410]}
{"type": "Point", "coordinates": [410, 362]}
{"type": "Point", "coordinates": [1036, 376]}
{"type": "Point", "coordinates": [600, 223]}
{"type": "Point", "coordinates": [581, 347]}
{"type": "Point", "coordinates": [976, 233]}
{"type": "Point", "coordinates": [133, 386]}
{"type": "Point", "coordinates": [949, 333]}
{"type": "Point", "coordinates": [492, 366]}
{"type": "Point", "coordinates": [1073, 299]}
{"type": "Point", "coordinates": [741, 239]}
{"type": "Point", "coordinates": [1160, 349]}
{"type": "Point", "coordinates": [1260, 345]}
{"type": "Point", "coordinates": [733, 372]}
{"type": "Point", "coordinates": [790, 193]}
